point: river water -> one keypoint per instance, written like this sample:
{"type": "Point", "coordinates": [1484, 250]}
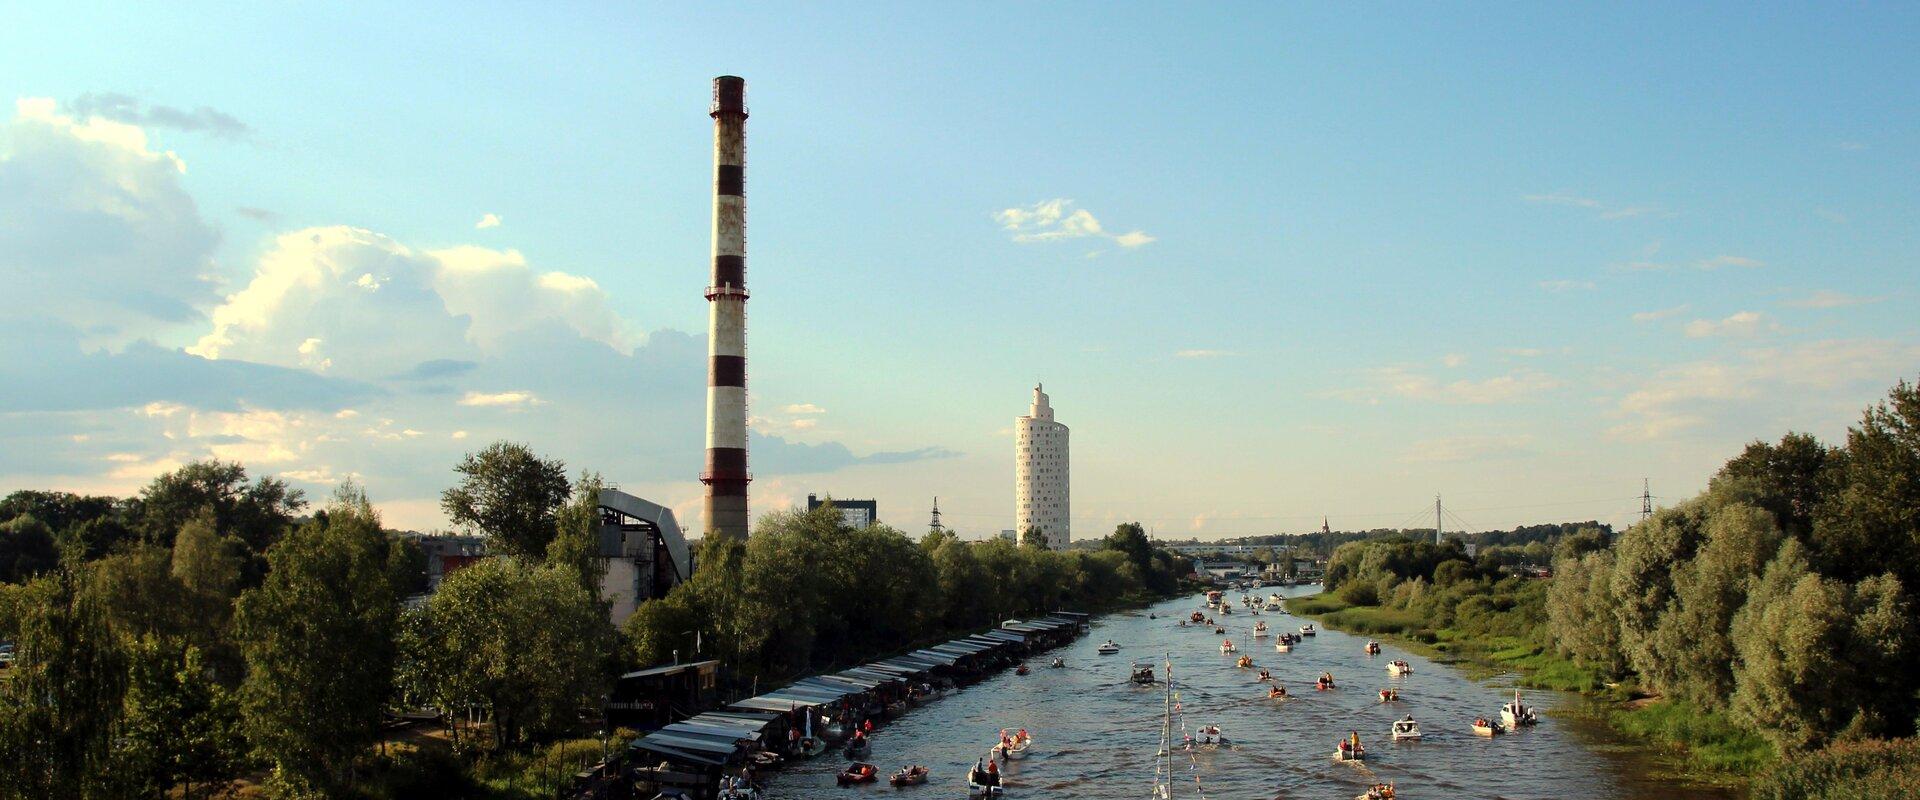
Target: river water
{"type": "Point", "coordinates": [1096, 734]}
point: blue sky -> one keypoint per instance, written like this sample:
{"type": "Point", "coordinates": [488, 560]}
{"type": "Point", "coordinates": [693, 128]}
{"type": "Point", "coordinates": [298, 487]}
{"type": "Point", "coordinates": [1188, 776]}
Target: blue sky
{"type": "Point", "coordinates": [1345, 258]}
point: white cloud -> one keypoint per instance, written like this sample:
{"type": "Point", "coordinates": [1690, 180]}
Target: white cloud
{"type": "Point", "coordinates": [488, 220]}
{"type": "Point", "coordinates": [1827, 298]}
{"type": "Point", "coordinates": [1719, 261]}
{"type": "Point", "coordinates": [1512, 387]}
{"type": "Point", "coordinates": [803, 408]}
{"type": "Point", "coordinates": [1744, 323]}
{"type": "Point", "coordinates": [1056, 219]}
{"type": "Point", "coordinates": [458, 435]}
{"type": "Point", "coordinates": [1660, 314]}
{"type": "Point", "coordinates": [1456, 449]}
{"type": "Point", "coordinates": [514, 399]}
{"type": "Point", "coordinates": [1831, 375]}
{"type": "Point", "coordinates": [1559, 286]}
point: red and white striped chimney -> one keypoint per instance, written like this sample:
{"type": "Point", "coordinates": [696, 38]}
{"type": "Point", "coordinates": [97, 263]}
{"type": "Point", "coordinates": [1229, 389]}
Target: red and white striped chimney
{"type": "Point", "coordinates": [726, 471]}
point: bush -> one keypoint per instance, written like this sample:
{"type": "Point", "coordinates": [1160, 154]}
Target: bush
{"type": "Point", "coordinates": [1360, 594]}
{"type": "Point", "coordinates": [1876, 769]}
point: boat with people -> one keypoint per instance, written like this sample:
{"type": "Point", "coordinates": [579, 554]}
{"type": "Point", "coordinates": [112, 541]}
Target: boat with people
{"type": "Point", "coordinates": [1196, 617]}
{"type": "Point", "coordinates": [1350, 749]}
{"type": "Point", "coordinates": [858, 747]}
{"type": "Point", "coordinates": [1227, 646]}
{"type": "Point", "coordinates": [1219, 631]}
{"type": "Point", "coordinates": [1325, 682]}
{"type": "Point", "coordinates": [983, 780]}
{"type": "Point", "coordinates": [1264, 675]}
{"type": "Point", "coordinates": [859, 772]}
{"type": "Point", "coordinates": [1108, 648]}
{"type": "Point", "coordinates": [1487, 727]}
{"type": "Point", "coordinates": [1142, 674]}
{"type": "Point", "coordinates": [1399, 667]}
{"type": "Point", "coordinates": [1405, 729]}
{"type": "Point", "coordinates": [1260, 630]}
{"type": "Point", "coordinates": [1213, 599]}
{"type": "Point", "coordinates": [1013, 745]}
{"type": "Point", "coordinates": [1057, 663]}
{"type": "Point", "coordinates": [1226, 609]}
{"type": "Point", "coordinates": [1389, 695]}
{"type": "Point", "coordinates": [1283, 646]}
{"type": "Point", "coordinates": [1274, 603]}
{"type": "Point", "coordinates": [1516, 714]}
{"type": "Point", "coordinates": [1307, 629]}
{"type": "Point", "coordinates": [737, 787]}
{"type": "Point", "coordinates": [1021, 670]}
{"type": "Point", "coordinates": [910, 775]}
{"type": "Point", "coordinates": [1373, 648]}
{"type": "Point", "coordinates": [1245, 662]}
{"type": "Point", "coordinates": [1210, 736]}
{"type": "Point", "coordinates": [1378, 791]}
{"type": "Point", "coordinates": [1276, 692]}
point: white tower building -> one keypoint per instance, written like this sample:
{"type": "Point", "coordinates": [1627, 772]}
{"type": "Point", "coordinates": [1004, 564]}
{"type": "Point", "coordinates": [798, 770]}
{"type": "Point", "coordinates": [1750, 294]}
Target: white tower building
{"type": "Point", "coordinates": [1040, 484]}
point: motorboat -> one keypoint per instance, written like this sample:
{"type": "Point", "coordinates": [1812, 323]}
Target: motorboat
{"type": "Point", "coordinates": [1210, 736]}
{"type": "Point", "coordinates": [1276, 692]}
{"type": "Point", "coordinates": [1325, 682]}
{"type": "Point", "coordinates": [1398, 667]}
{"type": "Point", "coordinates": [1245, 662]}
{"type": "Point", "coordinates": [1213, 599]}
{"type": "Point", "coordinates": [1219, 631]}
{"type": "Point", "coordinates": [1265, 675]}
{"type": "Point", "coordinates": [1405, 729]}
{"type": "Point", "coordinates": [909, 776]}
{"type": "Point", "coordinates": [1378, 791]}
{"type": "Point", "coordinates": [1108, 648]}
{"type": "Point", "coordinates": [1516, 713]}
{"type": "Point", "coordinates": [1013, 746]}
{"type": "Point", "coordinates": [1142, 674]}
{"type": "Point", "coordinates": [1373, 648]}
{"type": "Point", "coordinates": [1260, 630]}
{"type": "Point", "coordinates": [1389, 695]}
{"type": "Point", "coordinates": [1057, 662]}
{"type": "Point", "coordinates": [858, 772]}
{"type": "Point", "coordinates": [1307, 629]}
{"type": "Point", "coordinates": [982, 782]}
{"type": "Point", "coordinates": [1274, 603]}
{"type": "Point", "coordinates": [1196, 617]}
{"type": "Point", "coordinates": [1283, 646]}
{"type": "Point", "coordinates": [1227, 646]}
{"type": "Point", "coordinates": [1021, 670]}
{"type": "Point", "coordinates": [1350, 749]}
{"type": "Point", "coordinates": [1487, 727]}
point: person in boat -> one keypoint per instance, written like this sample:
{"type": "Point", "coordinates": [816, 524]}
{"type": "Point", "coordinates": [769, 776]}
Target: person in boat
{"type": "Point", "coordinates": [1277, 691]}
{"type": "Point", "coordinates": [1023, 736]}
{"type": "Point", "coordinates": [993, 774]}
{"type": "Point", "coordinates": [867, 725]}
{"type": "Point", "coordinates": [1265, 675]}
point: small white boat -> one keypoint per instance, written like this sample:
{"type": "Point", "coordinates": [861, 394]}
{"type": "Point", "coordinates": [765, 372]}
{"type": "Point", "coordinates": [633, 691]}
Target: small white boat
{"type": "Point", "coordinates": [1487, 727]}
{"type": "Point", "coordinates": [1227, 646]}
{"type": "Point", "coordinates": [1405, 729]}
{"type": "Point", "coordinates": [1307, 629]}
{"type": "Point", "coordinates": [1516, 713]}
{"type": "Point", "coordinates": [1349, 752]}
{"type": "Point", "coordinates": [983, 784]}
{"type": "Point", "coordinates": [1057, 662]}
{"type": "Point", "coordinates": [1014, 745]}
{"type": "Point", "coordinates": [1260, 630]}
{"type": "Point", "coordinates": [1210, 736]}
{"type": "Point", "coordinates": [1109, 648]}
{"type": "Point", "coordinates": [1274, 603]}
{"type": "Point", "coordinates": [1398, 667]}
{"type": "Point", "coordinates": [1378, 791]}
{"type": "Point", "coordinates": [1373, 648]}
{"type": "Point", "coordinates": [1283, 646]}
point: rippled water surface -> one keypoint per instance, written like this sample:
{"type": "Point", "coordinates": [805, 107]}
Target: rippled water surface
{"type": "Point", "coordinates": [1095, 734]}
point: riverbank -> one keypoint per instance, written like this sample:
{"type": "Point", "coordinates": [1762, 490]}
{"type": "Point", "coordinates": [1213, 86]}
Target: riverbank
{"type": "Point", "coordinates": [1691, 744]}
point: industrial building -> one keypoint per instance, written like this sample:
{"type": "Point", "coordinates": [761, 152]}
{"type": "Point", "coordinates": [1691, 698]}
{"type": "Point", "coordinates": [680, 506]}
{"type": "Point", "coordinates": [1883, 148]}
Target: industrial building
{"type": "Point", "coordinates": [1041, 479]}
{"type": "Point", "coordinates": [642, 552]}
{"type": "Point", "coordinates": [855, 513]}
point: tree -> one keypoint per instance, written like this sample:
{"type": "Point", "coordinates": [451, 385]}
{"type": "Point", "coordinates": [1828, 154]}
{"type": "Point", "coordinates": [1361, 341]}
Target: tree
{"type": "Point", "coordinates": [1692, 638]}
{"type": "Point", "coordinates": [1580, 611]}
{"type": "Point", "coordinates": [205, 562]}
{"type": "Point", "coordinates": [1131, 539]}
{"type": "Point", "coordinates": [1871, 522]}
{"type": "Point", "coordinates": [1642, 582]}
{"type": "Point", "coordinates": [576, 543]}
{"type": "Point", "coordinates": [526, 642]}
{"type": "Point", "coordinates": [259, 513]}
{"type": "Point", "coordinates": [181, 727]}
{"type": "Point", "coordinates": [26, 549]}
{"type": "Point", "coordinates": [318, 636]}
{"type": "Point", "coordinates": [60, 707]}
{"type": "Point", "coordinates": [510, 494]}
{"type": "Point", "coordinates": [1789, 480]}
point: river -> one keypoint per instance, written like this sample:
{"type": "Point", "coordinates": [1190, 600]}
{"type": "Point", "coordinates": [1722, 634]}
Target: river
{"type": "Point", "coordinates": [1095, 734]}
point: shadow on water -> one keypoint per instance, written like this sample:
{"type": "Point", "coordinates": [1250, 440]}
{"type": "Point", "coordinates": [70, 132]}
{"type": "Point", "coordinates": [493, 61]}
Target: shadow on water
{"type": "Point", "coordinates": [1095, 733]}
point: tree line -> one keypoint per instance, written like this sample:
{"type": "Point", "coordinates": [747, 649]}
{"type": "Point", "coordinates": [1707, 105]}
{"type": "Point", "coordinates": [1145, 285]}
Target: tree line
{"type": "Point", "coordinates": [215, 626]}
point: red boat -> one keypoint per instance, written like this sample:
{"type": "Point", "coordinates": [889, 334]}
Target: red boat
{"type": "Point", "coordinates": [858, 773]}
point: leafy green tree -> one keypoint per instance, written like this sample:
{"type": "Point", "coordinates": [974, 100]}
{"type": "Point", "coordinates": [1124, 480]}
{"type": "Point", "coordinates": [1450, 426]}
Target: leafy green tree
{"type": "Point", "coordinates": [205, 562]}
{"type": "Point", "coordinates": [1789, 480]}
{"type": "Point", "coordinates": [576, 544]}
{"type": "Point", "coordinates": [259, 513]}
{"type": "Point", "coordinates": [1692, 639]}
{"type": "Point", "coordinates": [59, 710]}
{"type": "Point", "coordinates": [1871, 522]}
{"type": "Point", "coordinates": [181, 726]}
{"type": "Point", "coordinates": [141, 597]}
{"type": "Point", "coordinates": [26, 549]}
{"type": "Point", "coordinates": [1580, 611]}
{"type": "Point", "coordinates": [525, 642]}
{"type": "Point", "coordinates": [1792, 640]}
{"type": "Point", "coordinates": [318, 636]}
{"type": "Point", "coordinates": [1642, 582]}
{"type": "Point", "coordinates": [510, 494]}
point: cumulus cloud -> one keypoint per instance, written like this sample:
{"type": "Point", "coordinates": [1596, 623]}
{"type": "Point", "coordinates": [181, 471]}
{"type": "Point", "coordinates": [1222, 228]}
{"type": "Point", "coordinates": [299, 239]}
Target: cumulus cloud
{"type": "Point", "coordinates": [1827, 298]}
{"type": "Point", "coordinates": [89, 197]}
{"type": "Point", "coordinates": [803, 408]}
{"type": "Point", "coordinates": [487, 220]}
{"type": "Point", "coordinates": [517, 399]}
{"type": "Point", "coordinates": [1829, 379]}
{"type": "Point", "coordinates": [130, 110]}
{"type": "Point", "coordinates": [1056, 219]}
{"type": "Point", "coordinates": [1744, 323]}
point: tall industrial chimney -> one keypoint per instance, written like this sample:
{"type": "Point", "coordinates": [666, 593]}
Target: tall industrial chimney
{"type": "Point", "coordinates": [726, 472]}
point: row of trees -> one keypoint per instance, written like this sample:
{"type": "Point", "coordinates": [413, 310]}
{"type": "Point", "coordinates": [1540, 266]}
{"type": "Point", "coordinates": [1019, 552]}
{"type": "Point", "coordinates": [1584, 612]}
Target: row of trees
{"type": "Point", "coordinates": [807, 592]}
{"type": "Point", "coordinates": [202, 631]}
{"type": "Point", "coordinates": [1782, 594]}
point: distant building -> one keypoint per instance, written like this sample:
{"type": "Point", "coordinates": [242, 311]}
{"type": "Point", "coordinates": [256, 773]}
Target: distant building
{"type": "Point", "coordinates": [1010, 535]}
{"type": "Point", "coordinates": [643, 551]}
{"type": "Point", "coordinates": [855, 513]}
{"type": "Point", "coordinates": [1041, 481]}
{"type": "Point", "coordinates": [447, 553]}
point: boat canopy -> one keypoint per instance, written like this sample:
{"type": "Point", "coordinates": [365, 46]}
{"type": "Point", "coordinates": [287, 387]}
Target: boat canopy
{"type": "Point", "coordinates": [667, 670]}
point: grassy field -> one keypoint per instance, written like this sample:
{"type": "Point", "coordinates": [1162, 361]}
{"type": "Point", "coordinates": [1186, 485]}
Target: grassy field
{"type": "Point", "coordinates": [1702, 746]}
